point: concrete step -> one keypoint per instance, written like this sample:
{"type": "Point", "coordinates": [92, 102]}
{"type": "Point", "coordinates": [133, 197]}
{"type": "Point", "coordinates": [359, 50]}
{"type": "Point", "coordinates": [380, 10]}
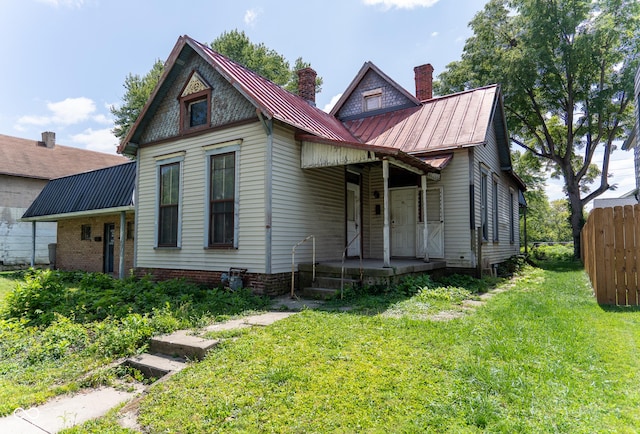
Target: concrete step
{"type": "Point", "coordinates": [334, 282]}
{"type": "Point", "coordinates": [319, 293]}
{"type": "Point", "coordinates": [182, 344]}
{"type": "Point", "coordinates": [155, 365]}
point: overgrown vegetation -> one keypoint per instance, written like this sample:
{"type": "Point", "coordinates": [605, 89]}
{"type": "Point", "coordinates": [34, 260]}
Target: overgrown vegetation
{"type": "Point", "coordinates": [541, 357]}
{"type": "Point", "coordinates": [56, 327]}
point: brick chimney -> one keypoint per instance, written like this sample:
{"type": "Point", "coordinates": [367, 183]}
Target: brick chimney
{"type": "Point", "coordinates": [49, 139]}
{"type": "Point", "coordinates": [307, 85]}
{"type": "Point", "coordinates": [424, 81]}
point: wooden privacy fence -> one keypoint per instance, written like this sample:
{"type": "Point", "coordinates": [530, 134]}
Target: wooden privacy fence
{"type": "Point", "coordinates": [611, 254]}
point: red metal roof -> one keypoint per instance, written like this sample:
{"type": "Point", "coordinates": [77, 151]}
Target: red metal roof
{"type": "Point", "coordinates": [438, 161]}
{"type": "Point", "coordinates": [273, 100]}
{"type": "Point", "coordinates": [29, 159]}
{"type": "Point", "coordinates": [442, 123]}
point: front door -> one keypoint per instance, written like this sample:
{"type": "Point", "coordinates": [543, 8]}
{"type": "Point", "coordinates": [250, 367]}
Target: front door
{"type": "Point", "coordinates": [435, 223]}
{"type": "Point", "coordinates": [403, 222]}
{"type": "Point", "coordinates": [353, 219]}
{"type": "Point", "coordinates": [109, 241]}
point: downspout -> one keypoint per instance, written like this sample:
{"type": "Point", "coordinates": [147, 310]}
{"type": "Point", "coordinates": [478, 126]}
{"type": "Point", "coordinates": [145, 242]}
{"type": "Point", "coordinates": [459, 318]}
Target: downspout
{"type": "Point", "coordinates": [33, 244]}
{"type": "Point", "coordinates": [425, 233]}
{"type": "Point", "coordinates": [135, 215]}
{"type": "Point", "coordinates": [385, 229]}
{"type": "Point", "coordinates": [268, 191]}
{"type": "Point", "coordinates": [122, 241]}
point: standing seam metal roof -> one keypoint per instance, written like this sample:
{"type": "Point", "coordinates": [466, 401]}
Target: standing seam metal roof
{"type": "Point", "coordinates": [111, 187]}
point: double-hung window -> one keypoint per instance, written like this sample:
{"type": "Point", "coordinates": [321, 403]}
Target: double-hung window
{"type": "Point", "coordinates": [512, 222]}
{"type": "Point", "coordinates": [484, 204]}
{"type": "Point", "coordinates": [494, 198]}
{"type": "Point", "coordinates": [222, 196]}
{"type": "Point", "coordinates": [168, 202]}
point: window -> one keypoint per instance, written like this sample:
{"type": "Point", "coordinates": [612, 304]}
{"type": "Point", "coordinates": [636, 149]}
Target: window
{"type": "Point", "coordinates": [222, 200]}
{"type": "Point", "coordinates": [512, 223]}
{"type": "Point", "coordinates": [372, 99]}
{"type": "Point", "coordinates": [85, 232]}
{"type": "Point", "coordinates": [195, 104]}
{"type": "Point", "coordinates": [484, 216]}
{"type": "Point", "coordinates": [169, 193]}
{"type": "Point", "coordinates": [198, 112]}
{"type": "Point", "coordinates": [130, 230]}
{"type": "Point", "coordinates": [496, 231]}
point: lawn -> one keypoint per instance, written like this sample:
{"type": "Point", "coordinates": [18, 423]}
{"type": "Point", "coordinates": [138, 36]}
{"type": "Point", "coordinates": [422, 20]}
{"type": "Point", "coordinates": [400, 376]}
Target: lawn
{"type": "Point", "coordinates": [541, 357]}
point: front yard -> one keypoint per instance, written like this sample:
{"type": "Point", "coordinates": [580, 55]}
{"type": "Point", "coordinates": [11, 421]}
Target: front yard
{"type": "Point", "coordinates": [539, 357]}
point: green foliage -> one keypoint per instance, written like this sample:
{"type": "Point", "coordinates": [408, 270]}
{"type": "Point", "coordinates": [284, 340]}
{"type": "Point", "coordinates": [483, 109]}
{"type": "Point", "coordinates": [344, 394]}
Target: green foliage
{"type": "Point", "coordinates": [566, 69]}
{"type": "Point", "coordinates": [539, 357]}
{"type": "Point", "coordinates": [553, 252]}
{"type": "Point", "coordinates": [98, 296]}
{"type": "Point", "coordinates": [137, 91]}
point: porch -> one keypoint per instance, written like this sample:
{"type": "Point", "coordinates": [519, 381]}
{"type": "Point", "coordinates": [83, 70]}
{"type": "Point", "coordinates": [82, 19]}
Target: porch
{"type": "Point", "coordinates": [331, 276]}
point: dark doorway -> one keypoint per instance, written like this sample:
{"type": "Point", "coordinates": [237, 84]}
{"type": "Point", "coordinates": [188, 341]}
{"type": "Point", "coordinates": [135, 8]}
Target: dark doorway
{"type": "Point", "coordinates": [109, 241]}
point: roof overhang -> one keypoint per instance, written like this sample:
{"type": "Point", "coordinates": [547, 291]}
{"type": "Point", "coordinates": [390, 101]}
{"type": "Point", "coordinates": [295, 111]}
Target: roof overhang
{"type": "Point", "coordinates": [319, 152]}
{"type": "Point", "coordinates": [78, 214]}
{"type": "Point", "coordinates": [632, 139]}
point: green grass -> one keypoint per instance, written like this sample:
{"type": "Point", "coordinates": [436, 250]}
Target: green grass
{"type": "Point", "coordinates": [541, 357]}
{"type": "Point", "coordinates": [59, 330]}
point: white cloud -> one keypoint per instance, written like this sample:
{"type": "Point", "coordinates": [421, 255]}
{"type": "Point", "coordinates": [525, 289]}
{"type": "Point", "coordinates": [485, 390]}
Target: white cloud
{"type": "Point", "coordinates": [434, 34]}
{"type": "Point", "coordinates": [67, 112]}
{"type": "Point", "coordinates": [400, 4]}
{"type": "Point", "coordinates": [251, 16]}
{"type": "Point", "coordinates": [327, 108]}
{"type": "Point", "coordinates": [64, 3]}
{"type": "Point", "coordinates": [97, 140]}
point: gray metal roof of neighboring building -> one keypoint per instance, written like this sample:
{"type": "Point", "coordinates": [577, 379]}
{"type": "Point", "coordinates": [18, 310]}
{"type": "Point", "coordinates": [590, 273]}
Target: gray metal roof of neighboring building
{"type": "Point", "coordinates": [101, 189]}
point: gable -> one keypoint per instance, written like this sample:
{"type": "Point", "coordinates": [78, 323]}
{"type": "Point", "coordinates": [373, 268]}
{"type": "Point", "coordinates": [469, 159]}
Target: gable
{"type": "Point", "coordinates": [372, 83]}
{"type": "Point", "coordinates": [191, 75]}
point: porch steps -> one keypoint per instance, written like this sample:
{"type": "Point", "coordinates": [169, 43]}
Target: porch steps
{"type": "Point", "coordinates": [325, 287]}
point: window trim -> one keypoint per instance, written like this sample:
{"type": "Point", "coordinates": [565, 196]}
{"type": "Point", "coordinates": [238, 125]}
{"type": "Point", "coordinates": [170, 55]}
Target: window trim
{"type": "Point", "coordinates": [496, 208]}
{"type": "Point", "coordinates": [211, 151]}
{"type": "Point", "coordinates": [370, 95]}
{"type": "Point", "coordinates": [512, 223]}
{"type": "Point", "coordinates": [177, 158]}
{"type": "Point", "coordinates": [484, 203]}
{"type": "Point", "coordinates": [186, 100]}
{"type": "Point", "coordinates": [85, 232]}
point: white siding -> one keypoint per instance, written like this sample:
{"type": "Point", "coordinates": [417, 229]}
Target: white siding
{"type": "Point", "coordinates": [496, 251]}
{"type": "Point", "coordinates": [455, 192]}
{"type": "Point", "coordinates": [305, 202]}
{"type": "Point", "coordinates": [192, 255]}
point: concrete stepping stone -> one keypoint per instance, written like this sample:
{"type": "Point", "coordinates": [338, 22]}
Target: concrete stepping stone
{"type": "Point", "coordinates": [182, 344]}
{"type": "Point", "coordinates": [155, 365]}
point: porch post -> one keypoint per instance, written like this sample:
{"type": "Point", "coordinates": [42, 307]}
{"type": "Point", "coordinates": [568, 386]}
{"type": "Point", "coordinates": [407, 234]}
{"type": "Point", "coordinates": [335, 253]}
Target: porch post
{"type": "Point", "coordinates": [123, 235]}
{"type": "Point", "coordinates": [425, 230]}
{"type": "Point", "coordinates": [33, 244]}
{"type": "Point", "coordinates": [385, 230]}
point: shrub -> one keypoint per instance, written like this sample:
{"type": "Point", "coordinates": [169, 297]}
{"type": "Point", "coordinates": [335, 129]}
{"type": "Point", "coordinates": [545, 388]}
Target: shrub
{"type": "Point", "coordinates": [39, 298]}
{"type": "Point", "coordinates": [553, 252]}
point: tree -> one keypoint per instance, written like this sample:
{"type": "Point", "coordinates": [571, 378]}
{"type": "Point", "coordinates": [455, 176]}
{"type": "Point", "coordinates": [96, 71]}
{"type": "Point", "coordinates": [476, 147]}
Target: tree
{"type": "Point", "coordinates": [566, 69]}
{"type": "Point", "coordinates": [138, 90]}
{"type": "Point", "coordinates": [236, 46]}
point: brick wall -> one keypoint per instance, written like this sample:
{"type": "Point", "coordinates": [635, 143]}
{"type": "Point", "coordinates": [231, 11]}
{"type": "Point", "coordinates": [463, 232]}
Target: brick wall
{"type": "Point", "coordinates": [261, 284]}
{"type": "Point", "coordinates": [73, 253]}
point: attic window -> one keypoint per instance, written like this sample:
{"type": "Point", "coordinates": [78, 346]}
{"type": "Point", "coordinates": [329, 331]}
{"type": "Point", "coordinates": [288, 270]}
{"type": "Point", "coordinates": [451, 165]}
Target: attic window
{"type": "Point", "coordinates": [195, 103]}
{"type": "Point", "coordinates": [372, 99]}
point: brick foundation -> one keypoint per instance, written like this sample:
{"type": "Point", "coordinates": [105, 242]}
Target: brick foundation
{"type": "Point", "coordinates": [259, 283]}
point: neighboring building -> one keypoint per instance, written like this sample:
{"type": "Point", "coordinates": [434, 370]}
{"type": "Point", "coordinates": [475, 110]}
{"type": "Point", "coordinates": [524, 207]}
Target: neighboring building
{"type": "Point", "coordinates": [233, 171]}
{"type": "Point", "coordinates": [95, 215]}
{"type": "Point", "coordinates": [25, 168]}
{"type": "Point", "coordinates": [632, 140]}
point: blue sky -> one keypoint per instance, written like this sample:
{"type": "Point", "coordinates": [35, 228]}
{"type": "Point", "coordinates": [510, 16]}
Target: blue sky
{"type": "Point", "coordinates": [65, 61]}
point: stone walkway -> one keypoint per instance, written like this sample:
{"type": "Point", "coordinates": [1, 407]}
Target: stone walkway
{"type": "Point", "coordinates": [171, 354]}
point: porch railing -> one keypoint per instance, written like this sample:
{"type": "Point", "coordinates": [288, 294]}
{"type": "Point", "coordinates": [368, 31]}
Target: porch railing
{"type": "Point", "coordinates": [293, 264]}
{"type": "Point", "coordinates": [344, 256]}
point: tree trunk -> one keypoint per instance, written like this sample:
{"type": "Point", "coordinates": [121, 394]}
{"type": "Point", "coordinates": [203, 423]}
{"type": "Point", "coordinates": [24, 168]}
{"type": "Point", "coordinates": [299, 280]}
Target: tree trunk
{"type": "Point", "coordinates": [576, 219]}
